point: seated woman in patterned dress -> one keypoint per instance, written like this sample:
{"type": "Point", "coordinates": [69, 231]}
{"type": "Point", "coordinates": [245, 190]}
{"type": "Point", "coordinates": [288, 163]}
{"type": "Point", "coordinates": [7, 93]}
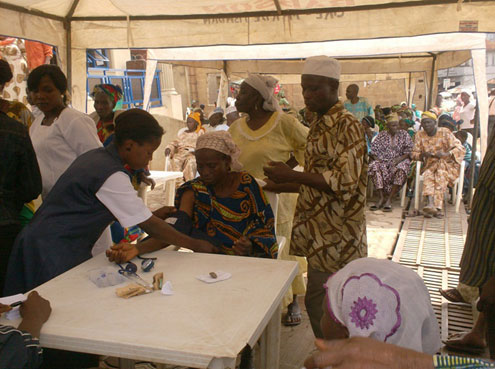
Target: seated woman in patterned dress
{"type": "Point", "coordinates": [224, 206]}
{"type": "Point", "coordinates": [390, 152]}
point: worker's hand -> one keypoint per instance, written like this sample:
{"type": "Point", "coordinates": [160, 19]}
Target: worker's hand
{"type": "Point", "coordinates": [396, 161]}
{"type": "Point", "coordinates": [122, 252]}
{"type": "Point", "coordinates": [147, 180]}
{"type": "Point", "coordinates": [164, 212]}
{"type": "Point", "coordinates": [487, 297]}
{"type": "Point", "coordinates": [4, 308]}
{"type": "Point", "coordinates": [204, 247]}
{"type": "Point", "coordinates": [243, 246]}
{"type": "Point", "coordinates": [35, 308]}
{"type": "Point", "coordinates": [168, 151]}
{"type": "Point", "coordinates": [278, 172]}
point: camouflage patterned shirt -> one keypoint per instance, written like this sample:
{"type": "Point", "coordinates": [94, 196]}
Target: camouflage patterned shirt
{"type": "Point", "coordinates": [330, 227]}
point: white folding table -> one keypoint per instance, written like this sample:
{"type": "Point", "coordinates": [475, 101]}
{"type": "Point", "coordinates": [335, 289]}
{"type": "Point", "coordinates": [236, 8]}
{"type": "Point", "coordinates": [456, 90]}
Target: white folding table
{"type": "Point", "coordinates": [202, 325]}
{"type": "Point", "coordinates": [167, 179]}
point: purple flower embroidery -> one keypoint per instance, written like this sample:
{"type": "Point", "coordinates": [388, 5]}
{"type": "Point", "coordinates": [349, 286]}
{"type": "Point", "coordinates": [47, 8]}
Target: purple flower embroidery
{"type": "Point", "coordinates": [363, 312]}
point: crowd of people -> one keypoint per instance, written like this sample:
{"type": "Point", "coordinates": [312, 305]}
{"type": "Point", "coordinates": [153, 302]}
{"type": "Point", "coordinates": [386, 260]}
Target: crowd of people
{"type": "Point", "coordinates": [86, 169]}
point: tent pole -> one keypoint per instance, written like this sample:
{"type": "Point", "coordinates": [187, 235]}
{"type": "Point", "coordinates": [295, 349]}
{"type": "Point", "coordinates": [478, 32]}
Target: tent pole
{"type": "Point", "coordinates": [432, 80]}
{"type": "Point", "coordinates": [472, 165]}
{"type": "Point", "coordinates": [69, 54]}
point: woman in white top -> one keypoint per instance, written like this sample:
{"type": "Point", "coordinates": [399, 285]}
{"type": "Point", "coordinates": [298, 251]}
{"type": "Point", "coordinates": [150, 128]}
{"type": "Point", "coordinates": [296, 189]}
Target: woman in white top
{"type": "Point", "coordinates": [467, 112]}
{"type": "Point", "coordinates": [61, 133]}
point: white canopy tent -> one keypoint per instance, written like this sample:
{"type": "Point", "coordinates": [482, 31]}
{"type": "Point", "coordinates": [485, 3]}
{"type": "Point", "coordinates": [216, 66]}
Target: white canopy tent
{"type": "Point", "coordinates": [76, 25]}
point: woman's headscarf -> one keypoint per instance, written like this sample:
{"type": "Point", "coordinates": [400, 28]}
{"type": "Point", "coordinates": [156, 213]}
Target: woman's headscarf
{"type": "Point", "coordinates": [221, 141]}
{"type": "Point", "coordinates": [265, 85]}
{"type": "Point", "coordinates": [392, 117]}
{"type": "Point", "coordinates": [114, 92]}
{"type": "Point", "coordinates": [386, 301]}
{"type": "Point", "coordinates": [429, 114]}
{"type": "Point", "coordinates": [370, 121]}
{"type": "Point", "coordinates": [197, 117]}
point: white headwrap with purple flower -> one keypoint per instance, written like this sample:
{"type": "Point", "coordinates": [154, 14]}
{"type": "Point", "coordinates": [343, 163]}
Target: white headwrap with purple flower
{"type": "Point", "coordinates": [386, 301]}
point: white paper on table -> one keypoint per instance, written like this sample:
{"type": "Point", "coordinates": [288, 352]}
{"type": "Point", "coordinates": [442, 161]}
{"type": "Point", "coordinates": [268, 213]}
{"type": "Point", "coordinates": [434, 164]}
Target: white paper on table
{"type": "Point", "coordinates": [15, 313]}
{"type": "Point", "coordinates": [167, 289]}
{"type": "Point", "coordinates": [221, 276]}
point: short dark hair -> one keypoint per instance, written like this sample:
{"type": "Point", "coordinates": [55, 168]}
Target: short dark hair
{"type": "Point", "coordinates": [137, 125]}
{"type": "Point", "coordinates": [5, 72]}
{"type": "Point", "coordinates": [55, 73]}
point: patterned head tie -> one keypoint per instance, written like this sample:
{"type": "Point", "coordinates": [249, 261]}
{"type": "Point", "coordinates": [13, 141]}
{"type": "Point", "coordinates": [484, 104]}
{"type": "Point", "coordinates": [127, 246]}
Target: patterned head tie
{"type": "Point", "coordinates": [222, 142]}
{"type": "Point", "coordinates": [197, 117]}
{"type": "Point", "coordinates": [386, 301]}
{"type": "Point", "coordinates": [112, 91]}
{"type": "Point", "coordinates": [429, 115]}
{"type": "Point", "coordinates": [392, 117]}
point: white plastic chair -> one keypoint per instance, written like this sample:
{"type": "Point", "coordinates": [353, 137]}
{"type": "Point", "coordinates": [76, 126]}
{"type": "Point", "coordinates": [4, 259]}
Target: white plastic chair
{"type": "Point", "coordinates": [457, 190]}
{"type": "Point", "coordinates": [273, 199]}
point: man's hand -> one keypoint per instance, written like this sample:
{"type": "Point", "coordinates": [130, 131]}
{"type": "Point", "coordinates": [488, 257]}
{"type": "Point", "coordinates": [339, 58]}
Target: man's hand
{"type": "Point", "coordinates": [164, 212]}
{"type": "Point", "coordinates": [122, 252]}
{"type": "Point", "coordinates": [168, 151]}
{"type": "Point", "coordinates": [243, 246]}
{"type": "Point", "coordinates": [279, 172]}
{"type": "Point", "coordinates": [426, 155]}
{"type": "Point", "coordinates": [270, 186]}
{"type": "Point", "coordinates": [442, 154]}
{"type": "Point", "coordinates": [35, 311]}
{"type": "Point", "coordinates": [4, 308]}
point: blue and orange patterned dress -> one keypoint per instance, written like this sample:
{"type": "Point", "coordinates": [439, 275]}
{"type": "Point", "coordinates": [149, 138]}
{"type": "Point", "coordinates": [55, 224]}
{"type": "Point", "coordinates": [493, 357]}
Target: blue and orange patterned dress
{"type": "Point", "coordinates": [226, 219]}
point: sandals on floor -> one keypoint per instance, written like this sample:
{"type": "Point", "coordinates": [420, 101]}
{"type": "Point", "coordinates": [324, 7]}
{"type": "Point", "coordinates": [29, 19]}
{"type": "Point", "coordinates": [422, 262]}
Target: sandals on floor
{"type": "Point", "coordinates": [292, 318]}
{"type": "Point", "coordinates": [452, 295]}
{"type": "Point", "coordinates": [455, 344]}
{"type": "Point", "coordinates": [375, 207]}
{"type": "Point", "coordinates": [387, 209]}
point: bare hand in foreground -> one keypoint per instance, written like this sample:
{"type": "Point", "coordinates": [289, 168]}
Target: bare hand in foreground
{"type": "Point", "coordinates": [278, 172]}
{"type": "Point", "coordinates": [35, 312]}
{"type": "Point", "coordinates": [122, 252]}
{"type": "Point", "coordinates": [365, 353]}
{"type": "Point", "coordinates": [243, 246]}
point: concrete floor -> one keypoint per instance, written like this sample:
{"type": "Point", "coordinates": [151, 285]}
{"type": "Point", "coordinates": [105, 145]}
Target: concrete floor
{"type": "Point", "coordinates": [297, 343]}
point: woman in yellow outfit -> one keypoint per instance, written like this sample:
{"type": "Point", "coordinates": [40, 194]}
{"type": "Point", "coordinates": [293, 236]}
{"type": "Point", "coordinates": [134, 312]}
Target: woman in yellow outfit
{"type": "Point", "coordinates": [267, 134]}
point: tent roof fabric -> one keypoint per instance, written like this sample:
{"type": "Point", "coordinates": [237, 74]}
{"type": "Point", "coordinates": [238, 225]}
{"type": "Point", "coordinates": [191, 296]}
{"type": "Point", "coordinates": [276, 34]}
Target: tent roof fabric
{"type": "Point", "coordinates": [172, 23]}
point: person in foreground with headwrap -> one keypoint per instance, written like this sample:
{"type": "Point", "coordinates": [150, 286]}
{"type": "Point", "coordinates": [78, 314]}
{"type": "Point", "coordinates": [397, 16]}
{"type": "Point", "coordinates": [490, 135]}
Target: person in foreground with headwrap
{"type": "Point", "coordinates": [181, 151]}
{"type": "Point", "coordinates": [106, 97]}
{"type": "Point", "coordinates": [390, 151]}
{"type": "Point", "coordinates": [382, 300]}
{"type": "Point", "coordinates": [442, 155]}
{"type": "Point", "coordinates": [267, 134]}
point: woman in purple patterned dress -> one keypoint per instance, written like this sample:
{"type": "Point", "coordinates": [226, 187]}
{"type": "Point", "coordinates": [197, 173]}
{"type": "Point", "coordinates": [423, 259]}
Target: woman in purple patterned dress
{"type": "Point", "coordinates": [390, 152]}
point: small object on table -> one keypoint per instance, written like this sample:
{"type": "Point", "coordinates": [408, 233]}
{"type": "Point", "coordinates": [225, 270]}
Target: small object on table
{"type": "Point", "coordinates": [167, 289]}
{"type": "Point", "coordinates": [158, 281]}
{"type": "Point", "coordinates": [131, 290]}
{"type": "Point", "coordinates": [147, 263]}
{"type": "Point", "coordinates": [219, 276]}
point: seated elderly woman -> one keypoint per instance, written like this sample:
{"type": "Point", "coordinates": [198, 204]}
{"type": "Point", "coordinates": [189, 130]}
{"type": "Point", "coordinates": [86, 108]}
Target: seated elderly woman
{"type": "Point", "coordinates": [382, 300]}
{"type": "Point", "coordinates": [224, 206]}
{"type": "Point", "coordinates": [181, 151]}
{"type": "Point", "coordinates": [390, 151]}
{"type": "Point", "coordinates": [442, 155]}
